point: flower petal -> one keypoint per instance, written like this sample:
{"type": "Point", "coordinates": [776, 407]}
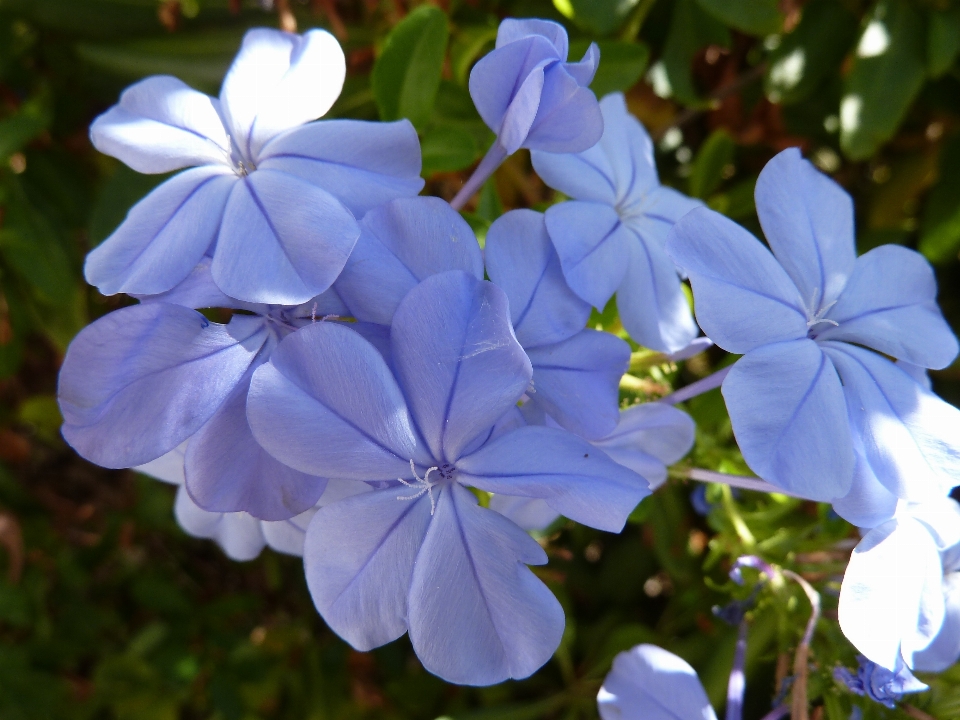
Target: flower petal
{"type": "Point", "coordinates": [167, 468]}
{"type": "Point", "coordinates": [362, 164]}
{"type": "Point", "coordinates": [457, 359]}
{"type": "Point", "coordinates": [868, 503]}
{"type": "Point", "coordinates": [359, 557]}
{"type": "Point", "coordinates": [527, 513]}
{"type": "Point", "coordinates": [227, 471]}
{"type": "Point", "coordinates": [199, 290]}
{"type": "Point", "coordinates": [890, 305]}
{"type": "Point", "coordinates": [577, 381]}
{"type": "Point", "coordinates": [574, 477]}
{"type": "Point", "coordinates": [882, 588]}
{"type": "Point", "coordinates": [522, 262]}
{"type": "Point", "coordinates": [477, 616]}
{"type": "Point", "coordinates": [160, 125]}
{"type": "Point", "coordinates": [593, 246]}
{"type": "Point", "coordinates": [744, 299]}
{"type": "Point", "coordinates": [790, 419]}
{"type": "Point", "coordinates": [279, 81]}
{"type": "Point", "coordinates": [649, 437]}
{"type": "Point", "coordinates": [650, 683]}
{"type": "Point", "coordinates": [238, 534]}
{"type": "Point", "coordinates": [496, 77]}
{"type": "Point", "coordinates": [652, 305]}
{"type": "Point", "coordinates": [513, 29]}
{"type": "Point", "coordinates": [400, 244]}
{"type": "Point", "coordinates": [283, 241]}
{"type": "Point", "coordinates": [327, 405]}
{"type": "Point", "coordinates": [654, 214]}
{"type": "Point", "coordinates": [568, 117]}
{"type": "Point", "coordinates": [911, 437]}
{"type": "Point", "coordinates": [164, 236]}
{"type": "Point", "coordinates": [808, 221]}
{"type": "Point", "coordinates": [944, 650]}
{"type": "Point", "coordinates": [141, 380]}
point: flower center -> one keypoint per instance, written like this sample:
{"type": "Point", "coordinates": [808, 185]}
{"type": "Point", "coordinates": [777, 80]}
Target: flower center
{"type": "Point", "coordinates": [815, 315]}
{"type": "Point", "coordinates": [445, 474]}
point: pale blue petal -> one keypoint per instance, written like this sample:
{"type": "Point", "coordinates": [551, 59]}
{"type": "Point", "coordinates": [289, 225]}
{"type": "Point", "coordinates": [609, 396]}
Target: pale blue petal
{"type": "Point", "coordinates": [227, 471]}
{"type": "Point", "coordinates": [744, 299]}
{"type": "Point", "coordinates": [586, 176]}
{"type": "Point", "coordinates": [522, 111]}
{"type": "Point", "coordinates": [944, 650]}
{"type": "Point", "coordinates": [696, 346]}
{"type": "Point", "coordinates": [457, 359]}
{"type": "Point", "coordinates": [282, 241]}
{"type": "Point", "coordinates": [359, 557]}
{"type": "Point", "coordinates": [278, 81]}
{"type": "Point", "coordinates": [400, 244]}
{"type": "Point", "coordinates": [787, 407]}
{"type": "Point", "coordinates": [522, 262]}
{"type": "Point", "coordinates": [477, 615]}
{"type": "Point", "coordinates": [496, 77]}
{"type": "Point", "coordinates": [574, 477]}
{"type": "Point", "coordinates": [651, 302]}
{"type": "Point", "coordinates": [649, 437]}
{"type": "Point", "coordinates": [160, 125]}
{"type": "Point", "coordinates": [882, 588]}
{"type": "Point", "coordinates": [918, 373]}
{"type": "Point", "coordinates": [594, 248]}
{"type": "Point", "coordinates": [868, 503]}
{"type": "Point", "coordinates": [568, 117]}
{"type": "Point", "coordinates": [141, 380]}
{"type": "Point", "coordinates": [527, 513]}
{"type": "Point", "coordinates": [584, 70]}
{"type": "Point", "coordinates": [288, 536]}
{"type": "Point", "coordinates": [628, 150]}
{"type": "Point", "coordinates": [326, 404]}
{"type": "Point", "coordinates": [362, 164]}
{"type": "Point", "coordinates": [238, 534]}
{"type": "Point", "coordinates": [911, 437]}
{"type": "Point", "coordinates": [654, 214]}
{"type": "Point", "coordinates": [577, 381]}
{"type": "Point", "coordinates": [167, 468]}
{"type": "Point", "coordinates": [890, 305]}
{"type": "Point", "coordinates": [650, 683]}
{"type": "Point", "coordinates": [199, 290]}
{"type": "Point", "coordinates": [808, 221]}
{"type": "Point", "coordinates": [513, 29]}
{"type": "Point", "coordinates": [164, 236]}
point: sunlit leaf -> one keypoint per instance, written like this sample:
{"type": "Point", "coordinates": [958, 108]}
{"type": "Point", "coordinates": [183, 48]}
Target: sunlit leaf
{"type": "Point", "coordinates": [754, 17]}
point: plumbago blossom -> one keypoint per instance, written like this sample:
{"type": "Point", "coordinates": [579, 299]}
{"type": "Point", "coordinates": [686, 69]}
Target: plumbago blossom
{"type": "Point", "coordinates": [419, 554]}
{"type": "Point", "coordinates": [650, 683]}
{"type": "Point", "coordinates": [610, 237]}
{"type": "Point", "coordinates": [900, 597]}
{"type": "Point", "coordinates": [271, 196]}
{"type": "Point", "coordinates": [400, 407]}
{"type": "Point", "coordinates": [816, 405]}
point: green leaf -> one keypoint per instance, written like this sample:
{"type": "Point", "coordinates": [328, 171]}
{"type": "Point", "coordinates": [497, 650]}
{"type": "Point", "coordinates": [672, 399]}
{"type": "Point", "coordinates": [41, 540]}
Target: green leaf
{"type": "Point", "coordinates": [714, 156]}
{"type": "Point", "coordinates": [812, 51]}
{"type": "Point", "coordinates": [200, 59]}
{"type": "Point", "coordinates": [31, 247]}
{"type": "Point", "coordinates": [737, 202]}
{"type": "Point", "coordinates": [621, 64]}
{"type": "Point", "coordinates": [691, 29]}
{"type": "Point", "coordinates": [601, 17]}
{"type": "Point", "coordinates": [887, 74]}
{"type": "Point", "coordinates": [447, 148]}
{"type": "Point", "coordinates": [31, 119]}
{"type": "Point", "coordinates": [466, 46]}
{"type": "Point", "coordinates": [943, 40]}
{"type": "Point", "coordinates": [940, 231]}
{"type": "Point", "coordinates": [406, 76]}
{"type": "Point", "coordinates": [754, 17]}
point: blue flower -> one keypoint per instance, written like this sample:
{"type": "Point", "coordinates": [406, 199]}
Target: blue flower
{"type": "Point", "coordinates": [142, 380]}
{"type": "Point", "coordinates": [813, 409]}
{"type": "Point", "coordinates": [530, 96]}
{"type": "Point", "coordinates": [270, 194]}
{"type": "Point", "coordinates": [878, 683]}
{"type": "Point", "coordinates": [611, 237]}
{"type": "Point", "coordinates": [419, 554]}
{"type": "Point", "coordinates": [650, 683]}
{"type": "Point", "coordinates": [900, 597]}
{"type": "Point", "coordinates": [576, 372]}
{"type": "Point", "coordinates": [240, 535]}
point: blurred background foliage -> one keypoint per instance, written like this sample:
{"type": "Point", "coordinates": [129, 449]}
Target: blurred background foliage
{"type": "Point", "coordinates": [107, 610]}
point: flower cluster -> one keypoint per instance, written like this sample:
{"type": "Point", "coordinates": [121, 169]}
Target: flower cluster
{"type": "Point", "coordinates": [400, 407]}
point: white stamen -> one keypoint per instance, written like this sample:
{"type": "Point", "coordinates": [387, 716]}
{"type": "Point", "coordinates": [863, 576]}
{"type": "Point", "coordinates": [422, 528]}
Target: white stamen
{"type": "Point", "coordinates": [817, 317]}
{"type": "Point", "coordinates": [313, 313]}
{"type": "Point", "coordinates": [423, 483]}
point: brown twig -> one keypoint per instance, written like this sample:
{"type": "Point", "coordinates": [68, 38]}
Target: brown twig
{"type": "Point", "coordinates": [288, 22]}
{"type": "Point", "coordinates": [799, 709]}
{"type": "Point", "coordinates": [11, 538]}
